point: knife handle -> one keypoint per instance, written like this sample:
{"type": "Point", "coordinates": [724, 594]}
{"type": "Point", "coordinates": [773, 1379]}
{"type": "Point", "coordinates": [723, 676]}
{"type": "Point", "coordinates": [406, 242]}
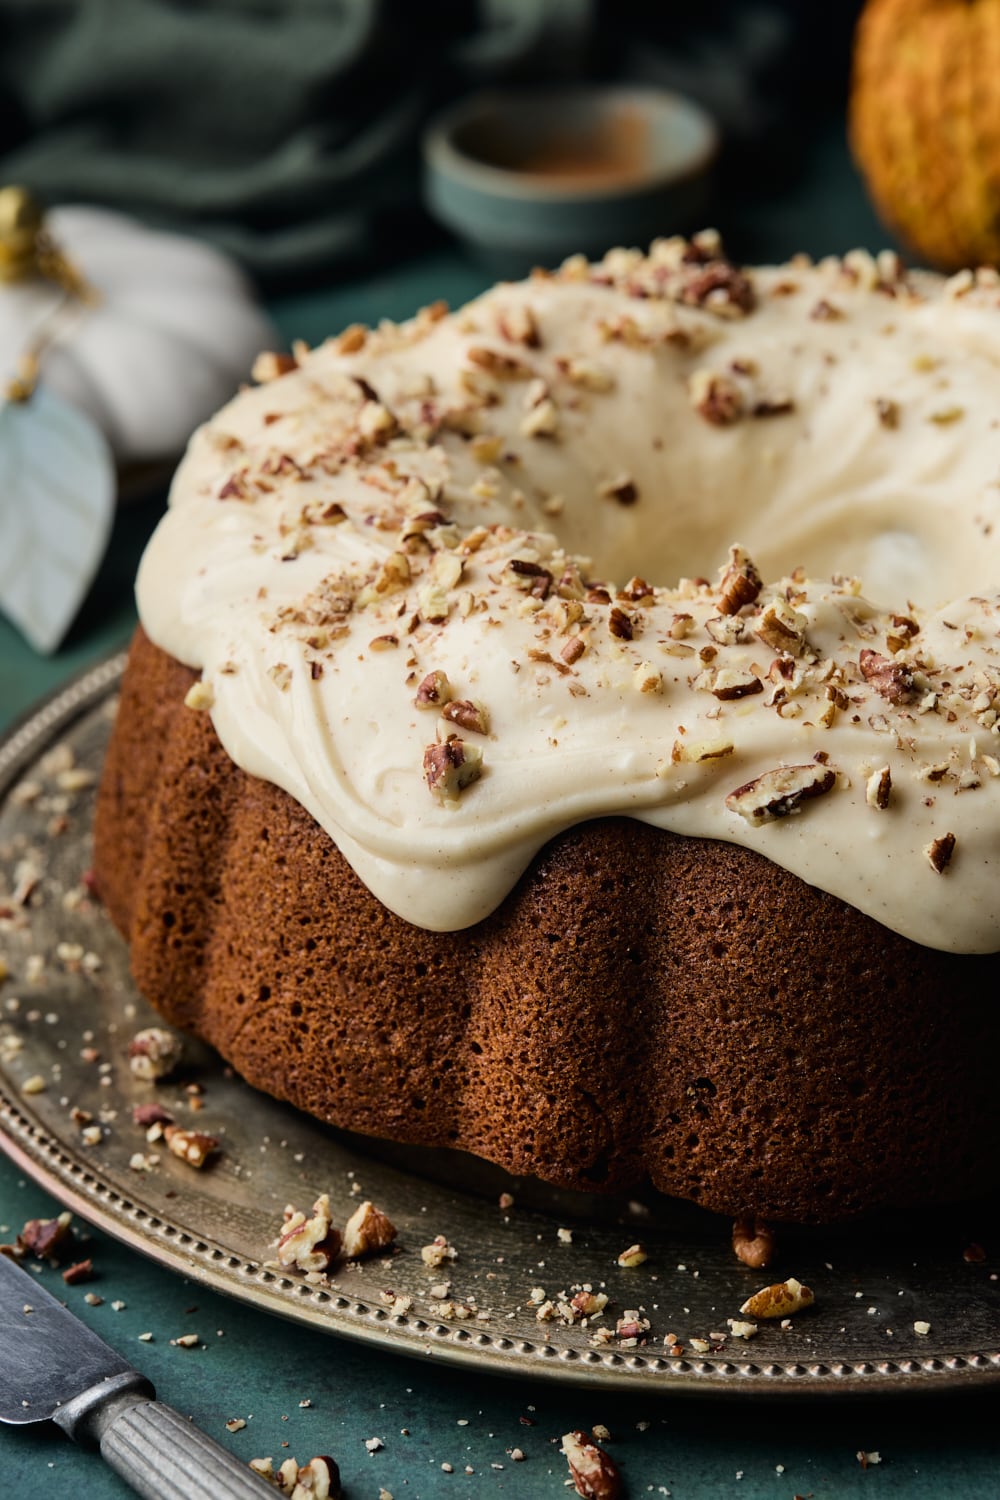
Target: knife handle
{"type": "Point", "coordinates": [161, 1454]}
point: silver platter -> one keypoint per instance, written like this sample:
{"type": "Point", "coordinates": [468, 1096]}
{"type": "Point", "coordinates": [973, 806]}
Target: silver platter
{"type": "Point", "coordinates": [872, 1283]}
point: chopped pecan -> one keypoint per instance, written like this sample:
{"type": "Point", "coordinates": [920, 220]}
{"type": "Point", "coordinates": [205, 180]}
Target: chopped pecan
{"type": "Point", "coordinates": [634, 1256]}
{"type": "Point", "coordinates": [720, 288]}
{"type": "Point", "coordinates": [495, 362]}
{"type": "Point", "coordinates": [590, 376]}
{"type": "Point", "coordinates": [772, 406]}
{"type": "Point", "coordinates": [80, 1270]}
{"type": "Point", "coordinates": [780, 792]}
{"type": "Point", "coordinates": [352, 339]}
{"type": "Point", "coordinates": [518, 325]}
{"type": "Point", "coordinates": [887, 412]}
{"type": "Point", "coordinates": [632, 1328]}
{"type": "Point", "coordinates": [781, 627]}
{"type": "Point", "coordinates": [878, 788]}
{"type": "Point", "coordinates": [647, 678]}
{"type": "Point", "coordinates": [779, 1301]}
{"type": "Point", "coordinates": [621, 624]}
{"type": "Point", "coordinates": [367, 1232]}
{"type": "Point", "coordinates": [939, 852]}
{"type": "Point", "coordinates": [542, 419]}
{"type": "Point", "coordinates": [622, 489]}
{"type": "Point", "coordinates": [715, 397]}
{"type": "Point", "coordinates": [637, 591]}
{"type": "Point", "coordinates": [191, 1146]}
{"type": "Point", "coordinates": [269, 366]}
{"type": "Point", "coordinates": [594, 1473]}
{"type": "Point", "coordinates": [309, 1243]}
{"type": "Point", "coordinates": [892, 679]}
{"type": "Point", "coordinates": [529, 576]}
{"type": "Point", "coordinates": [451, 767]}
{"type": "Point", "coordinates": [438, 1252]}
{"type": "Point", "coordinates": [434, 691]}
{"type": "Point", "coordinates": [589, 1303]}
{"type": "Point", "coordinates": [154, 1053]}
{"type": "Point", "coordinates": [701, 750]}
{"type": "Point", "coordinates": [319, 1479]}
{"type": "Point", "coordinates": [731, 682]}
{"type": "Point", "coordinates": [753, 1242]}
{"type": "Point", "coordinates": [151, 1114]}
{"type": "Point", "coordinates": [740, 582]}
{"type": "Point", "coordinates": [467, 714]}
{"type": "Point", "coordinates": [45, 1238]}
{"type": "Point", "coordinates": [725, 630]}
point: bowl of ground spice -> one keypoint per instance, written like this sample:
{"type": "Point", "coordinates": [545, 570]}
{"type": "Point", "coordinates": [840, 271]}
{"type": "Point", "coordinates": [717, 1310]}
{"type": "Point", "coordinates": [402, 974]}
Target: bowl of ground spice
{"type": "Point", "coordinates": [526, 178]}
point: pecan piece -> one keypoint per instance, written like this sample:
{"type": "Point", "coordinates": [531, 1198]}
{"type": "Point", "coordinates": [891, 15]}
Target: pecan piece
{"type": "Point", "coordinates": [154, 1053]}
{"type": "Point", "coordinates": [503, 366]}
{"type": "Point", "coordinates": [779, 1301]}
{"type": "Point", "coordinates": [80, 1270]}
{"type": "Point", "coordinates": [777, 793]}
{"type": "Point", "coordinates": [309, 1243]}
{"type": "Point", "coordinates": [451, 767]}
{"type": "Point", "coordinates": [434, 691]}
{"type": "Point", "coordinates": [594, 1473]}
{"type": "Point", "coordinates": [621, 624]}
{"type": "Point", "coordinates": [634, 1255]}
{"type": "Point", "coordinates": [589, 1304]}
{"type": "Point", "coordinates": [622, 489]}
{"type": "Point", "coordinates": [740, 582]}
{"type": "Point", "coordinates": [151, 1114]}
{"type": "Point", "coordinates": [878, 788]}
{"type": "Point", "coordinates": [716, 398]}
{"type": "Point", "coordinates": [701, 750]}
{"type": "Point", "coordinates": [730, 682]}
{"type": "Point", "coordinates": [467, 714]}
{"type": "Point", "coordinates": [45, 1238]}
{"type": "Point", "coordinates": [518, 325]}
{"type": "Point", "coordinates": [191, 1146]}
{"type": "Point", "coordinates": [891, 679]}
{"type": "Point", "coordinates": [367, 1232]}
{"type": "Point", "coordinates": [753, 1242]}
{"type": "Point", "coordinates": [939, 852]}
{"type": "Point", "coordinates": [719, 288]}
{"type": "Point", "coordinates": [270, 366]}
{"type": "Point", "coordinates": [529, 576]}
{"type": "Point", "coordinates": [781, 627]}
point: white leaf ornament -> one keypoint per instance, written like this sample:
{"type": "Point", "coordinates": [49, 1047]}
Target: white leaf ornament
{"type": "Point", "coordinates": [57, 496]}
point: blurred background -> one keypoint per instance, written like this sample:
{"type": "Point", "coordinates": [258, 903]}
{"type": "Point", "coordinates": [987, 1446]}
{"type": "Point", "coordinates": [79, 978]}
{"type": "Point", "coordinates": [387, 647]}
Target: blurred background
{"type": "Point", "coordinates": [288, 131]}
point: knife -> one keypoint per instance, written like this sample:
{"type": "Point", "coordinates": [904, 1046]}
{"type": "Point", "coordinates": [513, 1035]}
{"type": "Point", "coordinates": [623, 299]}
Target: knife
{"type": "Point", "coordinates": [53, 1368]}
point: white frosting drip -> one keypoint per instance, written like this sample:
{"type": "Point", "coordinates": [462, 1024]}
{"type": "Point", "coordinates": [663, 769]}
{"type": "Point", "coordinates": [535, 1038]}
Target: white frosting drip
{"type": "Point", "coordinates": [886, 466]}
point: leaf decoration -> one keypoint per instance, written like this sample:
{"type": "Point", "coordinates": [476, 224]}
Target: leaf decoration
{"type": "Point", "coordinates": [57, 498]}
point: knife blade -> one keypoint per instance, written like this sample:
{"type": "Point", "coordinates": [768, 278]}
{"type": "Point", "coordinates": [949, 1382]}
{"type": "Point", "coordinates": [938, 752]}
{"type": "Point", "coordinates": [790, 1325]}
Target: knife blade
{"type": "Point", "coordinates": [53, 1367]}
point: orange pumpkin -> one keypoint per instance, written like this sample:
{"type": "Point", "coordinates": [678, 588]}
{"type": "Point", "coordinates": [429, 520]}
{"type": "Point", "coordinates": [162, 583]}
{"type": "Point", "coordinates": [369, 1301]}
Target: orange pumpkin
{"type": "Point", "coordinates": [925, 124]}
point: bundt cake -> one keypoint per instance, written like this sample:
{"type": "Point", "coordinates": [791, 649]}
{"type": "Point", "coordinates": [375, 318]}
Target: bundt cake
{"type": "Point", "coordinates": [440, 816]}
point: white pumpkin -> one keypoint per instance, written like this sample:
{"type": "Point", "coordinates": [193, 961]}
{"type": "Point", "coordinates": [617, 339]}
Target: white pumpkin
{"type": "Point", "coordinates": [174, 333]}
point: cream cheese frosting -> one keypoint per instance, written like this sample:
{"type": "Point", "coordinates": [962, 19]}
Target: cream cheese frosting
{"type": "Point", "coordinates": [422, 574]}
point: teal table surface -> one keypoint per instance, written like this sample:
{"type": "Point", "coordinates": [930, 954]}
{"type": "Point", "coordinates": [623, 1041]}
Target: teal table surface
{"type": "Point", "coordinates": [301, 1393]}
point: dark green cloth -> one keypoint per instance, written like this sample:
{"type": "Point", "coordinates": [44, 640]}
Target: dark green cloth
{"type": "Point", "coordinates": [285, 130]}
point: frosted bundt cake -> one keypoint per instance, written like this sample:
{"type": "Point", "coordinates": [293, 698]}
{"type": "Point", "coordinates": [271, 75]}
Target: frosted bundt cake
{"type": "Point", "coordinates": [439, 815]}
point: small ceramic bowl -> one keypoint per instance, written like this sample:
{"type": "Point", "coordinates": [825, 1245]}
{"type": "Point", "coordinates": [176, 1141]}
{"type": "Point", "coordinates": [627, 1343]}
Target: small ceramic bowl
{"type": "Point", "coordinates": [528, 178]}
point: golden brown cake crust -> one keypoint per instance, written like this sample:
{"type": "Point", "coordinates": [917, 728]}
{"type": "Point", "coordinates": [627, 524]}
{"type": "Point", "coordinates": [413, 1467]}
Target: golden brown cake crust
{"type": "Point", "coordinates": [641, 1005]}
